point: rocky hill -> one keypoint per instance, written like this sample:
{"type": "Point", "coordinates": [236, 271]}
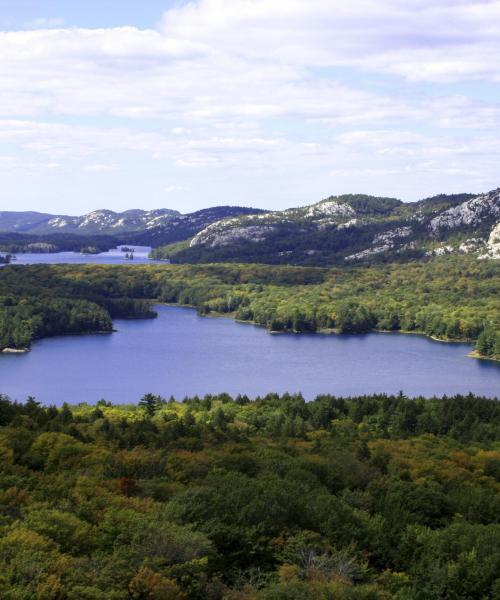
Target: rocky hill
{"type": "Point", "coordinates": [154, 227]}
{"type": "Point", "coordinates": [353, 229]}
{"type": "Point", "coordinates": [182, 227]}
{"type": "Point", "coordinates": [98, 221]}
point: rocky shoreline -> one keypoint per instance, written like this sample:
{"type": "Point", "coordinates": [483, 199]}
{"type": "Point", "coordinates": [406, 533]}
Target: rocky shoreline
{"type": "Point", "coordinates": [14, 350]}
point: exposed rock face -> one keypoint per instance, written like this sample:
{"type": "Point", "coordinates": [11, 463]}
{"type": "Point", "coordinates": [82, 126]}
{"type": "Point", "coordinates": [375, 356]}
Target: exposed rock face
{"type": "Point", "coordinates": [256, 228]}
{"type": "Point", "coordinates": [109, 221]}
{"type": "Point", "coordinates": [330, 208]}
{"type": "Point", "coordinates": [60, 223]}
{"type": "Point", "coordinates": [348, 224]}
{"type": "Point", "coordinates": [216, 235]}
{"type": "Point", "coordinates": [471, 245]}
{"type": "Point", "coordinates": [493, 243]}
{"type": "Point", "coordinates": [471, 213]}
{"type": "Point", "coordinates": [368, 252]}
{"type": "Point", "coordinates": [383, 242]}
{"type": "Point", "coordinates": [390, 237]}
{"type": "Point", "coordinates": [441, 251]}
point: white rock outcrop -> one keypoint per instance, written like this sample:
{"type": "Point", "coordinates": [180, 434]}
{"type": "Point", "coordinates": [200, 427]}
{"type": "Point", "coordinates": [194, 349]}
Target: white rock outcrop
{"type": "Point", "coordinates": [219, 234]}
{"type": "Point", "coordinates": [59, 222]}
{"type": "Point", "coordinates": [493, 243]}
{"type": "Point", "coordinates": [389, 237]}
{"type": "Point", "coordinates": [256, 228]}
{"type": "Point", "coordinates": [368, 252]}
{"type": "Point", "coordinates": [471, 245]}
{"type": "Point", "coordinates": [441, 251]}
{"type": "Point", "coordinates": [348, 224]}
{"type": "Point", "coordinates": [330, 208]}
{"type": "Point", "coordinates": [383, 242]}
{"type": "Point", "coordinates": [472, 212]}
{"type": "Point", "coordinates": [107, 220]}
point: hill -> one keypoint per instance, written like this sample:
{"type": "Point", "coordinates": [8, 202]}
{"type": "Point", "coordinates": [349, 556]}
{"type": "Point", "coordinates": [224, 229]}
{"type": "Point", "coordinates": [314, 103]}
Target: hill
{"type": "Point", "coordinates": [182, 227]}
{"type": "Point", "coordinates": [98, 221]}
{"type": "Point", "coordinates": [352, 229]}
{"type": "Point", "coordinates": [21, 231]}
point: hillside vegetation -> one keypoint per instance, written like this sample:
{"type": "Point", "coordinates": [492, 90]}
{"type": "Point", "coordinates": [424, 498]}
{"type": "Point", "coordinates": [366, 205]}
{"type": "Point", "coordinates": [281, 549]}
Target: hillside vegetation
{"type": "Point", "coordinates": [372, 498]}
{"type": "Point", "coordinates": [451, 298]}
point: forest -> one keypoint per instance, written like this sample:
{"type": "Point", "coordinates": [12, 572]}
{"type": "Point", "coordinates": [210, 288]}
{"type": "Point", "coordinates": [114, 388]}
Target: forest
{"type": "Point", "coordinates": [215, 498]}
{"type": "Point", "coordinates": [300, 243]}
{"type": "Point", "coordinates": [53, 242]}
{"type": "Point", "coordinates": [449, 298]}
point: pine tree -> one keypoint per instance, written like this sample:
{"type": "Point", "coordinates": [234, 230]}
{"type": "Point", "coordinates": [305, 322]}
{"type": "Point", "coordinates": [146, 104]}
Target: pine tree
{"type": "Point", "coordinates": [150, 403]}
{"type": "Point", "coordinates": [486, 342]}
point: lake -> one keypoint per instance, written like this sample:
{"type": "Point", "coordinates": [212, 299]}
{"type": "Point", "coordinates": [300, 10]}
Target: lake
{"type": "Point", "coordinates": [112, 257]}
{"type": "Point", "coordinates": [181, 353]}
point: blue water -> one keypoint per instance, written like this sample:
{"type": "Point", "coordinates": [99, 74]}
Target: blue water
{"type": "Point", "coordinates": [113, 257]}
{"type": "Point", "coordinates": [183, 354]}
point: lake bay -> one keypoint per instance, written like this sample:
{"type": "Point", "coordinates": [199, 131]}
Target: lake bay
{"type": "Point", "coordinates": [183, 354]}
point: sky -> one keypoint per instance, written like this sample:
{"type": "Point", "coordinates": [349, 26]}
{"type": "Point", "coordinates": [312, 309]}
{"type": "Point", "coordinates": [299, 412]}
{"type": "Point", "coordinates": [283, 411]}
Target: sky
{"type": "Point", "coordinates": [125, 104]}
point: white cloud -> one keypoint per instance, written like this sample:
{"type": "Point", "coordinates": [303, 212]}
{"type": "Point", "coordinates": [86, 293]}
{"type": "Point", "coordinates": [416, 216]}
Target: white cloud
{"type": "Point", "coordinates": [419, 39]}
{"type": "Point", "coordinates": [63, 141]}
{"type": "Point", "coordinates": [220, 59]}
{"type": "Point", "coordinates": [284, 87]}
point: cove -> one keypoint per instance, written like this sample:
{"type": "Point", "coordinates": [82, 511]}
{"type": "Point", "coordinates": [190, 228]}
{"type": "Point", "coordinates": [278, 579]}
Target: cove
{"type": "Point", "coordinates": [183, 354]}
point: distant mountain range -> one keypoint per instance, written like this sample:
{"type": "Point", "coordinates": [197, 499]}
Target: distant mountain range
{"type": "Point", "coordinates": [108, 222]}
{"type": "Point", "coordinates": [99, 221]}
{"type": "Point", "coordinates": [346, 229]}
{"type": "Point", "coordinates": [107, 228]}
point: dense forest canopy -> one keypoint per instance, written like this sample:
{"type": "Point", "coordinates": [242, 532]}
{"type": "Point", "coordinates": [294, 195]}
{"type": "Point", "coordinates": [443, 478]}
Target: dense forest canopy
{"type": "Point", "coordinates": [377, 497]}
{"type": "Point", "coordinates": [450, 298]}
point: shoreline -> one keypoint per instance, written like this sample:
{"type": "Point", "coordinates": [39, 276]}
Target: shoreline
{"type": "Point", "coordinates": [474, 354]}
{"type": "Point", "coordinates": [14, 350]}
{"type": "Point", "coordinates": [213, 314]}
{"type": "Point", "coordinates": [334, 331]}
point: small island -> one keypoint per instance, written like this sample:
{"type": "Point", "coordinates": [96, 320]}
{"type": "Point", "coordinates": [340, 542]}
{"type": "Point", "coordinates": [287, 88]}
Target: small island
{"type": "Point", "coordinates": [90, 250]}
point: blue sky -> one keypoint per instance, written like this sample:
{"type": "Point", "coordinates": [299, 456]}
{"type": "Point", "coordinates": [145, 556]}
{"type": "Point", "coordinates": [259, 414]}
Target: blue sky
{"type": "Point", "coordinates": [19, 14]}
{"type": "Point", "coordinates": [123, 104]}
